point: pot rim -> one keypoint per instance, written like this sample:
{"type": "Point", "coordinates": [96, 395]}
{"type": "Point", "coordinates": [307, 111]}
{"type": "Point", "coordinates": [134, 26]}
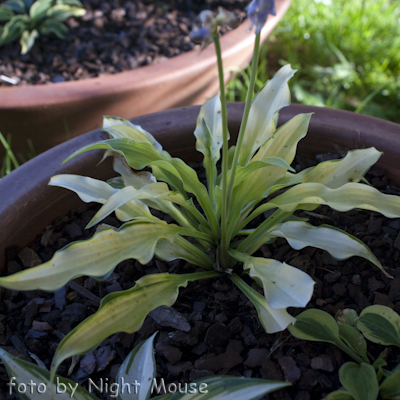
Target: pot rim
{"type": "Point", "coordinates": [28, 204]}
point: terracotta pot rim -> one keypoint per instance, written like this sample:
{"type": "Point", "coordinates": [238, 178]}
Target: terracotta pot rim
{"type": "Point", "coordinates": [122, 82]}
{"type": "Point", "coordinates": [27, 202]}
{"type": "Point", "coordinates": [52, 113]}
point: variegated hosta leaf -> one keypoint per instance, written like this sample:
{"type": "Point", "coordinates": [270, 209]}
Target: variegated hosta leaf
{"type": "Point", "coordinates": [116, 182]}
{"type": "Point", "coordinates": [359, 380]}
{"type": "Point", "coordinates": [351, 168]}
{"type": "Point", "coordinates": [228, 388]}
{"type": "Point", "coordinates": [243, 172]}
{"type": "Point", "coordinates": [139, 366]}
{"type": "Point", "coordinates": [6, 13]}
{"type": "Point", "coordinates": [209, 136]}
{"type": "Point", "coordinates": [380, 324]}
{"type": "Point", "coordinates": [341, 394]}
{"type": "Point", "coordinates": [347, 316]}
{"type": "Point", "coordinates": [379, 365]}
{"type": "Point", "coordinates": [94, 190]}
{"type": "Point", "coordinates": [137, 154]}
{"type": "Point", "coordinates": [124, 312]}
{"type": "Point", "coordinates": [283, 143]}
{"type": "Point", "coordinates": [284, 286]}
{"type": "Point", "coordinates": [88, 189]}
{"type": "Point", "coordinates": [289, 180]}
{"type": "Point", "coordinates": [257, 185]}
{"type": "Point", "coordinates": [336, 242]}
{"type": "Point", "coordinates": [18, 6]}
{"type": "Point", "coordinates": [62, 12]}
{"type": "Point", "coordinates": [143, 178]}
{"type": "Point", "coordinates": [129, 194]}
{"type": "Point", "coordinates": [38, 379]}
{"type": "Point", "coordinates": [315, 325]}
{"type": "Point", "coordinates": [28, 40]}
{"type": "Point", "coordinates": [130, 178]}
{"type": "Point", "coordinates": [260, 126]}
{"type": "Point", "coordinates": [354, 339]}
{"type": "Point", "coordinates": [231, 155]}
{"type": "Point", "coordinates": [186, 175]}
{"type": "Point", "coordinates": [54, 26]}
{"type": "Point", "coordinates": [390, 387]}
{"type": "Point", "coordinates": [272, 319]}
{"type": "Point", "coordinates": [167, 173]}
{"type": "Point", "coordinates": [72, 3]}
{"type": "Point", "coordinates": [184, 250]}
{"type": "Point", "coordinates": [345, 198]}
{"type": "Point", "coordinates": [13, 29]}
{"type": "Point", "coordinates": [188, 178]}
{"type": "Point", "coordinates": [39, 9]}
{"type": "Point", "coordinates": [112, 125]}
{"type": "Point", "coordinates": [124, 131]}
{"type": "Point", "coordinates": [260, 235]}
{"type": "Point", "coordinates": [218, 195]}
{"type": "Point", "coordinates": [95, 257]}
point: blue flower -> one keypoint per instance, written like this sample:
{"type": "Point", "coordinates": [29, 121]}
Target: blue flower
{"type": "Point", "coordinates": [258, 11]}
{"type": "Point", "coordinates": [201, 35]}
{"type": "Point", "coordinates": [204, 35]}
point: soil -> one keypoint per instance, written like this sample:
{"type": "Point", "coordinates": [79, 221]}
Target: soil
{"type": "Point", "coordinates": [113, 36]}
{"type": "Point", "coordinates": [212, 328]}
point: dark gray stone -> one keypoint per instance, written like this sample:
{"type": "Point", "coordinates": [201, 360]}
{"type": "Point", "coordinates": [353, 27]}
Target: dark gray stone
{"type": "Point", "coordinates": [218, 335]}
{"type": "Point", "coordinates": [168, 316]}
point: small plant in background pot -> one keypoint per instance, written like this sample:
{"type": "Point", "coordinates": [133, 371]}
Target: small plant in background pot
{"type": "Point", "coordinates": [210, 230]}
{"type": "Point", "coordinates": [28, 19]}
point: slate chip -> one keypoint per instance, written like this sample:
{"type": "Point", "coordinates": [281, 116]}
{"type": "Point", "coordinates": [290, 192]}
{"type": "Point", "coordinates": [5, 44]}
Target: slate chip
{"type": "Point", "coordinates": [218, 335]}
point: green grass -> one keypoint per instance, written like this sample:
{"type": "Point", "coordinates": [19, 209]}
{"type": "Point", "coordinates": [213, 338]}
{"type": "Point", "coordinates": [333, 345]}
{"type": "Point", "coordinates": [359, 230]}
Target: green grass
{"type": "Point", "coordinates": [10, 160]}
{"type": "Point", "coordinates": [347, 54]}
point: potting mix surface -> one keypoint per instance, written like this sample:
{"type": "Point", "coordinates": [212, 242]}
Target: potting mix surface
{"type": "Point", "coordinates": [113, 36]}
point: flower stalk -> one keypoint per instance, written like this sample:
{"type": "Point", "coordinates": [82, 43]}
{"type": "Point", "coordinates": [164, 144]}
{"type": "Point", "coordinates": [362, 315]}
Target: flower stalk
{"type": "Point", "coordinates": [227, 192]}
{"type": "Point", "coordinates": [249, 97]}
{"type": "Point", "coordinates": [224, 256]}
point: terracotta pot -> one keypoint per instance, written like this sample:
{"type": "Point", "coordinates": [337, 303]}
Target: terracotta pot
{"type": "Point", "coordinates": [28, 204]}
{"type": "Point", "coordinates": [51, 114]}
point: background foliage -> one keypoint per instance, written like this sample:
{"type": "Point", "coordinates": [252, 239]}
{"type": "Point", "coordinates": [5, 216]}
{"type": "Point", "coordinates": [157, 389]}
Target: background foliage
{"type": "Point", "coordinates": [346, 53]}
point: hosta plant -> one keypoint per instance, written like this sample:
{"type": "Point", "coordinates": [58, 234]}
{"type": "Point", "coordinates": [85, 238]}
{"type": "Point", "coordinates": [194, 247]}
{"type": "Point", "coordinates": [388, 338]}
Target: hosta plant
{"type": "Point", "coordinates": [363, 379]}
{"type": "Point", "coordinates": [136, 380]}
{"type": "Point", "coordinates": [27, 19]}
{"type": "Point", "coordinates": [216, 225]}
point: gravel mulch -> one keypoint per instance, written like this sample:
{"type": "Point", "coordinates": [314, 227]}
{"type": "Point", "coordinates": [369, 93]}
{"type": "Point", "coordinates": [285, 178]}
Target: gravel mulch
{"type": "Point", "coordinates": [213, 328]}
{"type": "Point", "coordinates": [113, 36]}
